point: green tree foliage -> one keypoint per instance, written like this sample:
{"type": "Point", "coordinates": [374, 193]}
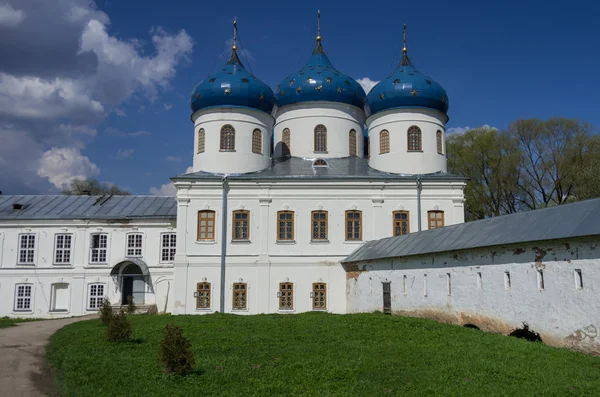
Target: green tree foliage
{"type": "Point", "coordinates": [131, 308]}
{"type": "Point", "coordinates": [176, 351]}
{"type": "Point", "coordinates": [92, 187]}
{"type": "Point", "coordinates": [532, 164]}
{"type": "Point", "coordinates": [119, 328]}
{"type": "Point", "coordinates": [105, 311]}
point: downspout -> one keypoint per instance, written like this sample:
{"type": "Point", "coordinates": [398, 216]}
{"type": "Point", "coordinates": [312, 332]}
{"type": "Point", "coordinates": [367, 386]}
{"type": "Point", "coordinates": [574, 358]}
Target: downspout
{"type": "Point", "coordinates": [419, 188]}
{"type": "Point", "coordinates": [223, 241]}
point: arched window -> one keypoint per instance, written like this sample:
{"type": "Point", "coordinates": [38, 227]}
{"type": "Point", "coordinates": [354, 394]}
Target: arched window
{"type": "Point", "coordinates": [384, 142]}
{"type": "Point", "coordinates": [285, 139]}
{"type": "Point", "coordinates": [319, 225]}
{"type": "Point", "coordinates": [414, 139]}
{"type": "Point", "coordinates": [353, 225]}
{"type": "Point", "coordinates": [257, 141]}
{"type": "Point", "coordinates": [227, 138]}
{"type": "Point", "coordinates": [320, 138]}
{"type": "Point", "coordinates": [320, 163]}
{"type": "Point", "coordinates": [438, 138]}
{"type": "Point", "coordinates": [239, 296]}
{"type": "Point", "coordinates": [206, 225]}
{"type": "Point", "coordinates": [201, 138]}
{"type": "Point", "coordinates": [241, 225]}
{"type": "Point", "coordinates": [436, 219]}
{"type": "Point", "coordinates": [352, 142]}
{"type": "Point", "coordinates": [369, 147]}
{"type": "Point", "coordinates": [202, 295]}
{"type": "Point", "coordinates": [401, 223]}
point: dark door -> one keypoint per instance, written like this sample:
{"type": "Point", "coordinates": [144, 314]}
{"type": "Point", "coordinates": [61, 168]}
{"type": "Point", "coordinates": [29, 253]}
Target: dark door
{"type": "Point", "coordinates": [387, 298]}
{"type": "Point", "coordinates": [127, 289]}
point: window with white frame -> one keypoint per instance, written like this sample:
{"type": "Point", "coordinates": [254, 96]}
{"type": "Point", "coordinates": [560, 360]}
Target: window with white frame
{"type": "Point", "coordinates": [168, 244]}
{"type": "Point", "coordinates": [23, 293]}
{"type": "Point", "coordinates": [96, 293]}
{"type": "Point", "coordinates": [27, 249]}
{"type": "Point", "coordinates": [98, 248]}
{"type": "Point", "coordinates": [134, 244]}
{"type": "Point", "coordinates": [63, 243]}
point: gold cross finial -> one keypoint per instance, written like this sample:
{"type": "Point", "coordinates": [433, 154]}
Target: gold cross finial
{"type": "Point", "coordinates": [234, 47]}
{"type": "Point", "coordinates": [319, 25]}
{"type": "Point", "coordinates": [404, 50]}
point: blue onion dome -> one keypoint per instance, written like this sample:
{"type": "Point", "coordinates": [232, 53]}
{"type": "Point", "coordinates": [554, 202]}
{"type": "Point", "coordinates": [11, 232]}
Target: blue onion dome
{"type": "Point", "coordinates": [233, 86]}
{"type": "Point", "coordinates": [406, 87]}
{"type": "Point", "coordinates": [319, 80]}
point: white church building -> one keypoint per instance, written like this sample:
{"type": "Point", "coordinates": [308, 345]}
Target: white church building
{"type": "Point", "coordinates": [284, 188]}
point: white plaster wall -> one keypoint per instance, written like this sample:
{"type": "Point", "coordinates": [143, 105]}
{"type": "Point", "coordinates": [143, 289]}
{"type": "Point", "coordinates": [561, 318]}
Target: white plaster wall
{"type": "Point", "coordinates": [399, 160]}
{"type": "Point", "coordinates": [80, 272]}
{"type": "Point", "coordinates": [242, 160]}
{"type": "Point", "coordinates": [562, 313]}
{"type": "Point", "coordinates": [302, 119]}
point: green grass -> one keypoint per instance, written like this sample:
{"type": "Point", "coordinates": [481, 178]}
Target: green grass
{"type": "Point", "coordinates": [9, 322]}
{"type": "Point", "coordinates": [317, 354]}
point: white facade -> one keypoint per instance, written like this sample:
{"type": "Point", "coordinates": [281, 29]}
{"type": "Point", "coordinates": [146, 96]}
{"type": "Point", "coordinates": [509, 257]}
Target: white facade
{"type": "Point", "coordinates": [552, 286]}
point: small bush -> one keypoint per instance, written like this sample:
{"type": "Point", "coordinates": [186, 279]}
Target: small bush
{"type": "Point", "coordinates": [526, 333]}
{"type": "Point", "coordinates": [176, 351]}
{"type": "Point", "coordinates": [153, 310]}
{"type": "Point", "coordinates": [105, 311]}
{"type": "Point", "coordinates": [130, 305]}
{"type": "Point", "coordinates": [119, 328]}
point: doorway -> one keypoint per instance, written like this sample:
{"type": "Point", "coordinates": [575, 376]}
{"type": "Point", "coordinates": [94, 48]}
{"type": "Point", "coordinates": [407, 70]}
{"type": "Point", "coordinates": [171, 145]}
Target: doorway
{"type": "Point", "coordinates": [134, 285]}
{"type": "Point", "coordinates": [387, 298]}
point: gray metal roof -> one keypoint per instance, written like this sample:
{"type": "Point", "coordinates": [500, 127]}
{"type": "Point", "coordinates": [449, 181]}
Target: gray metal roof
{"type": "Point", "coordinates": [563, 221]}
{"type": "Point", "coordinates": [88, 207]}
{"type": "Point", "coordinates": [338, 168]}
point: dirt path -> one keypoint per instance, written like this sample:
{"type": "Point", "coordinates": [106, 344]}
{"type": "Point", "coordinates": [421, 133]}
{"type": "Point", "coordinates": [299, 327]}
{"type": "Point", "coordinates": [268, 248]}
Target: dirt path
{"type": "Point", "coordinates": [23, 368]}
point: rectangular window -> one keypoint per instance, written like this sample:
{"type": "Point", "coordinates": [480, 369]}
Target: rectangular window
{"type": "Point", "coordinates": [507, 280]}
{"type": "Point", "coordinates": [285, 223]}
{"type": "Point", "coordinates": [404, 290]}
{"type": "Point", "coordinates": [60, 297]}
{"type": "Point", "coordinates": [286, 296]}
{"type": "Point", "coordinates": [578, 279]}
{"type": "Point", "coordinates": [239, 295]}
{"type": "Point", "coordinates": [319, 295]}
{"type": "Point", "coordinates": [62, 249]}
{"type": "Point", "coordinates": [319, 225]}
{"type": "Point", "coordinates": [353, 225]}
{"type": "Point", "coordinates": [202, 295]}
{"type": "Point", "coordinates": [479, 281]}
{"type": "Point", "coordinates": [401, 223]}
{"type": "Point", "coordinates": [96, 293]}
{"type": "Point", "coordinates": [27, 249]}
{"type": "Point", "coordinates": [436, 219]}
{"type": "Point", "coordinates": [98, 247]}
{"type": "Point", "coordinates": [168, 243]}
{"type": "Point", "coordinates": [23, 294]}
{"type": "Point", "coordinates": [540, 279]}
{"type": "Point", "coordinates": [424, 285]}
{"type": "Point", "coordinates": [206, 225]}
{"type": "Point", "coordinates": [134, 244]}
{"type": "Point", "coordinates": [448, 284]}
{"type": "Point", "coordinates": [241, 225]}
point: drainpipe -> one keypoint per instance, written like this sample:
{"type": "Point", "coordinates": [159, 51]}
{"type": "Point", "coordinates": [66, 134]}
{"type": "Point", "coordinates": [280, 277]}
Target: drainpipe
{"type": "Point", "coordinates": [223, 241]}
{"type": "Point", "coordinates": [419, 188]}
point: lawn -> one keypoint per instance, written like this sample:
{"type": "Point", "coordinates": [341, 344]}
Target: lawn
{"type": "Point", "coordinates": [317, 354]}
{"type": "Point", "coordinates": [9, 322]}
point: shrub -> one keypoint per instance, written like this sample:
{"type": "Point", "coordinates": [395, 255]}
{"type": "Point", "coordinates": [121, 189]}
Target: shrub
{"type": "Point", "coordinates": [526, 333]}
{"type": "Point", "coordinates": [153, 310]}
{"type": "Point", "coordinates": [119, 328]}
{"type": "Point", "coordinates": [130, 305]}
{"type": "Point", "coordinates": [176, 351]}
{"type": "Point", "coordinates": [105, 311]}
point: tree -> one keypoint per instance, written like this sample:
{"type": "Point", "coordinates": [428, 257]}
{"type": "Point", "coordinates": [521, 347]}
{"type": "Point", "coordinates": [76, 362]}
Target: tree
{"type": "Point", "coordinates": [91, 187]}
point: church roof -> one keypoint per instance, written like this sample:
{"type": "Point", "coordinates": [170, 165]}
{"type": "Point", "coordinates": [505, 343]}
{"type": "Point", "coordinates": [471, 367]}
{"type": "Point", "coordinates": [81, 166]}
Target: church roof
{"type": "Point", "coordinates": [107, 207]}
{"type": "Point", "coordinates": [298, 168]}
{"type": "Point", "coordinates": [564, 221]}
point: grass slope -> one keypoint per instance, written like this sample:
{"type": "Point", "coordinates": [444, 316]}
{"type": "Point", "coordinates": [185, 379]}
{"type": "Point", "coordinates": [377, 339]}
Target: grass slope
{"type": "Point", "coordinates": [9, 322]}
{"type": "Point", "coordinates": [318, 354]}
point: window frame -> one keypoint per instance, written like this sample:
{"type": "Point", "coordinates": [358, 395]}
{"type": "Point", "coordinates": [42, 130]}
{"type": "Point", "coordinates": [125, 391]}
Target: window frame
{"type": "Point", "coordinates": [227, 142]}
{"type": "Point", "coordinates": [214, 220]}
{"type": "Point", "coordinates": [207, 303]}
{"type": "Point", "coordinates": [27, 250]}
{"type": "Point", "coordinates": [292, 221]}
{"type": "Point", "coordinates": [430, 219]}
{"type": "Point", "coordinates": [62, 249]}
{"type": "Point", "coordinates": [320, 139]}
{"type": "Point", "coordinates": [284, 294]}
{"type": "Point", "coordinates": [53, 288]}
{"type": "Point", "coordinates": [418, 139]}
{"type": "Point", "coordinates": [286, 138]}
{"type": "Point", "coordinates": [97, 298]}
{"type": "Point", "coordinates": [394, 220]}
{"type": "Point", "coordinates": [235, 222]}
{"type": "Point", "coordinates": [384, 141]}
{"type": "Point", "coordinates": [242, 292]}
{"type": "Point", "coordinates": [352, 143]}
{"type": "Point", "coordinates": [312, 225]}
{"type": "Point", "coordinates": [172, 246]}
{"type": "Point", "coordinates": [134, 248]}
{"type": "Point", "coordinates": [439, 141]}
{"type": "Point", "coordinates": [257, 141]}
{"type": "Point", "coordinates": [201, 141]}
{"type": "Point", "coordinates": [315, 295]}
{"type": "Point", "coordinates": [26, 298]}
{"type": "Point", "coordinates": [99, 248]}
{"type": "Point", "coordinates": [353, 227]}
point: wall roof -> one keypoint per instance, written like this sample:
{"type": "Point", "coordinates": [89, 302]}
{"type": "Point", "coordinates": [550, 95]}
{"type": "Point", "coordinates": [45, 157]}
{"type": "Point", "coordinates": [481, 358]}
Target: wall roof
{"type": "Point", "coordinates": [564, 221]}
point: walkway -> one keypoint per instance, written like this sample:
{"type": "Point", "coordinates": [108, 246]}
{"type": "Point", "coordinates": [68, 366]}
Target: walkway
{"type": "Point", "coordinates": [23, 368]}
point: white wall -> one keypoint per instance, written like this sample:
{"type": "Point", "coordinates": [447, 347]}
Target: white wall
{"type": "Point", "coordinates": [242, 160]}
{"type": "Point", "coordinates": [562, 313]}
{"type": "Point", "coordinates": [302, 119]}
{"type": "Point", "coordinates": [399, 160]}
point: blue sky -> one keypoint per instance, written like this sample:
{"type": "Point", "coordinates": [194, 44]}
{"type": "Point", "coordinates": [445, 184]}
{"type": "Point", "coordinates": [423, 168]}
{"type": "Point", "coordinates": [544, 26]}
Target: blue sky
{"type": "Point", "coordinates": [127, 121]}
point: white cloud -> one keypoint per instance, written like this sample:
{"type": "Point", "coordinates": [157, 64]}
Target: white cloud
{"type": "Point", "coordinates": [9, 17]}
{"type": "Point", "coordinates": [173, 159]}
{"type": "Point", "coordinates": [120, 112]}
{"type": "Point", "coordinates": [168, 106]}
{"type": "Point", "coordinates": [61, 165]}
{"type": "Point", "coordinates": [367, 84]}
{"type": "Point", "coordinates": [130, 134]}
{"type": "Point", "coordinates": [462, 130]}
{"type": "Point", "coordinates": [123, 154]}
{"type": "Point", "coordinates": [167, 189]}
